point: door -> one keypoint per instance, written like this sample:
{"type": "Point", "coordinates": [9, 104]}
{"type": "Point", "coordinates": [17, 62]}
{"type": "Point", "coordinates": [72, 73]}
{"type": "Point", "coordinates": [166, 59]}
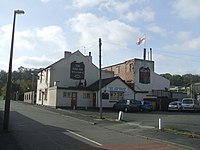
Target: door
{"type": "Point", "coordinates": [94, 100]}
{"type": "Point", "coordinates": [74, 100]}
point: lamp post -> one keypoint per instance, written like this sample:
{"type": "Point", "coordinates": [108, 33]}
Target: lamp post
{"type": "Point", "coordinates": [8, 87]}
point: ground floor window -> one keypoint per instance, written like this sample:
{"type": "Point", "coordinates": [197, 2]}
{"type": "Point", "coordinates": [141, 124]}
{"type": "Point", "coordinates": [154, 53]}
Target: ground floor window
{"type": "Point", "coordinates": [86, 95]}
{"type": "Point", "coordinates": [67, 94]}
{"type": "Point", "coordinates": [40, 95]}
{"type": "Point", "coordinates": [116, 95]}
{"type": "Point", "coordinates": [45, 94]}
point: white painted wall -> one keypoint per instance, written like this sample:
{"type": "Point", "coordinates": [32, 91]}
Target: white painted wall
{"type": "Point", "coordinates": [59, 73]}
{"type": "Point", "coordinates": [116, 84]}
{"type": "Point", "coordinates": [156, 81]}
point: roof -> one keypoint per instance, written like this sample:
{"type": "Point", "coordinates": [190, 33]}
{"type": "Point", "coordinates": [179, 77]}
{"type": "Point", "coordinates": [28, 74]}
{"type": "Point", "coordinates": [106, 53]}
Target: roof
{"type": "Point", "coordinates": [60, 60]}
{"type": "Point", "coordinates": [95, 85]}
{"type": "Point", "coordinates": [133, 59]}
{"type": "Point", "coordinates": [104, 82]}
{"type": "Point", "coordinates": [80, 88]}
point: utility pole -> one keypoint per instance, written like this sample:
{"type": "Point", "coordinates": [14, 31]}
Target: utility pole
{"type": "Point", "coordinates": [100, 91]}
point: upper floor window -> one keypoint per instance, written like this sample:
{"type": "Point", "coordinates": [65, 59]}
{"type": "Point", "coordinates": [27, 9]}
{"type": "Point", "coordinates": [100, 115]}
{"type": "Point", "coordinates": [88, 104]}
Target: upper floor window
{"type": "Point", "coordinates": [118, 70]}
{"type": "Point", "coordinates": [40, 77]}
{"type": "Point", "coordinates": [130, 67]}
{"type": "Point", "coordinates": [47, 73]}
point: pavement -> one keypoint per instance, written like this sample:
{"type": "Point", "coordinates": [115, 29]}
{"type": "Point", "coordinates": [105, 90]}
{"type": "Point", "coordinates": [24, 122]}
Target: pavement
{"type": "Point", "coordinates": [7, 140]}
{"type": "Point", "coordinates": [163, 139]}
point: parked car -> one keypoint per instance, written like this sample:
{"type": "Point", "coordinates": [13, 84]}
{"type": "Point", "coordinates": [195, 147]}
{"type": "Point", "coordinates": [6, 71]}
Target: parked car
{"type": "Point", "coordinates": [175, 106]}
{"type": "Point", "coordinates": [190, 104]}
{"type": "Point", "coordinates": [127, 105]}
{"type": "Point", "coordinates": [146, 106]}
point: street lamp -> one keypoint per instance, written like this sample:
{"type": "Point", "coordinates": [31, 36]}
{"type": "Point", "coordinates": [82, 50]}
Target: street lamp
{"type": "Point", "coordinates": [8, 87]}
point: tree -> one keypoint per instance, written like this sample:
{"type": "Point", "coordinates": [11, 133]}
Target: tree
{"type": "Point", "coordinates": [184, 80]}
{"type": "Point", "coordinates": [23, 80]}
{"type": "Point", "coordinates": [3, 79]}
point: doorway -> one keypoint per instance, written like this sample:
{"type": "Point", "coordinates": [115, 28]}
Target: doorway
{"type": "Point", "coordinates": [74, 100]}
{"type": "Point", "coordinates": [94, 100]}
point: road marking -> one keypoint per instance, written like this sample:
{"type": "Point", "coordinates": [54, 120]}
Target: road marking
{"type": "Point", "coordinates": [92, 141]}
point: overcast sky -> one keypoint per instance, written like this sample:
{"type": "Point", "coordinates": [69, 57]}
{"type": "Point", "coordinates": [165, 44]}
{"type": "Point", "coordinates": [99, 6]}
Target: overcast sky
{"type": "Point", "coordinates": [50, 27]}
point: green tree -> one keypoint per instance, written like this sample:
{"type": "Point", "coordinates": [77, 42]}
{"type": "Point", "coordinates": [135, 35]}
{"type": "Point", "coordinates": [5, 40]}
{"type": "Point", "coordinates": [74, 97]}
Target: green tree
{"type": "Point", "coordinates": [3, 79]}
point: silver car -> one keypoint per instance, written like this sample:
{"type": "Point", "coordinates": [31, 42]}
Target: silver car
{"type": "Point", "coordinates": [174, 106]}
{"type": "Point", "coordinates": [190, 104]}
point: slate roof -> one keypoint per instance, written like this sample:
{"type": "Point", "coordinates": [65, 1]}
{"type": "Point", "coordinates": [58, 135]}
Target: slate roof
{"type": "Point", "coordinates": [95, 85]}
{"type": "Point", "coordinates": [104, 82]}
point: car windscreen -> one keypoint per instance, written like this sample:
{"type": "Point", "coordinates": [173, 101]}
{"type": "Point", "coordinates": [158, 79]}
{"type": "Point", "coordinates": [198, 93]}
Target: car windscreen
{"type": "Point", "coordinates": [187, 101]}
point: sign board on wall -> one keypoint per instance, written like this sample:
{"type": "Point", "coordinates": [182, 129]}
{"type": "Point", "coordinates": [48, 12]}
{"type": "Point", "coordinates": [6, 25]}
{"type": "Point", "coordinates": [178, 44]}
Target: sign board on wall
{"type": "Point", "coordinates": [117, 89]}
{"type": "Point", "coordinates": [77, 70]}
{"type": "Point", "coordinates": [144, 75]}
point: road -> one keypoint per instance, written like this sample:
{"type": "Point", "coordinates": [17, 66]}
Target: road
{"type": "Point", "coordinates": [35, 128]}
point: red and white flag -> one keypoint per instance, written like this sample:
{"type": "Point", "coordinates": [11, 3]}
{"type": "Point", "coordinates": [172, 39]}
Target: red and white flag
{"type": "Point", "coordinates": [141, 40]}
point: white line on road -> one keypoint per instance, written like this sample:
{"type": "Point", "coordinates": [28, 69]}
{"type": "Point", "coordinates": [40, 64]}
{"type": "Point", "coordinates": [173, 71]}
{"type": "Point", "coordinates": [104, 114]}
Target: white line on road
{"type": "Point", "coordinates": [84, 138]}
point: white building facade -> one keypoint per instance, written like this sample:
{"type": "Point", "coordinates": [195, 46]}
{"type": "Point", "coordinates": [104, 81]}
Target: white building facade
{"type": "Point", "coordinates": [72, 82]}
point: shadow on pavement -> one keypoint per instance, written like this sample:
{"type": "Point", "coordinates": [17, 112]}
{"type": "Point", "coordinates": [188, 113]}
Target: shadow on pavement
{"type": "Point", "coordinates": [28, 134]}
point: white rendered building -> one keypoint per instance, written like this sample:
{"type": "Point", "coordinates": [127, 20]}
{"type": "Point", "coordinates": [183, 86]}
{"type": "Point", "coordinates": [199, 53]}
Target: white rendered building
{"type": "Point", "coordinates": [73, 82]}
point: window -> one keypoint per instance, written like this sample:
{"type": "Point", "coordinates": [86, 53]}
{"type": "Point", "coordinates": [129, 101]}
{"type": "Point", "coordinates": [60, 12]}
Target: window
{"type": "Point", "coordinates": [47, 75]}
{"type": "Point", "coordinates": [130, 67]}
{"type": "Point", "coordinates": [67, 94]}
{"type": "Point", "coordinates": [116, 95]}
{"type": "Point", "coordinates": [86, 95]}
{"type": "Point", "coordinates": [105, 95]}
{"type": "Point", "coordinates": [64, 94]}
{"type": "Point", "coordinates": [45, 94]}
{"type": "Point", "coordinates": [40, 77]}
{"type": "Point", "coordinates": [118, 69]}
{"type": "Point", "coordinates": [40, 95]}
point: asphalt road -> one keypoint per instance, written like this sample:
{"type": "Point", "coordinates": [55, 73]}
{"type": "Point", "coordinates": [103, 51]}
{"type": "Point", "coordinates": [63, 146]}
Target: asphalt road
{"type": "Point", "coordinates": [37, 128]}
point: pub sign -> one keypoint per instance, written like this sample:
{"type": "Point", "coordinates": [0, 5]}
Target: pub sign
{"type": "Point", "coordinates": [144, 75]}
{"type": "Point", "coordinates": [77, 70]}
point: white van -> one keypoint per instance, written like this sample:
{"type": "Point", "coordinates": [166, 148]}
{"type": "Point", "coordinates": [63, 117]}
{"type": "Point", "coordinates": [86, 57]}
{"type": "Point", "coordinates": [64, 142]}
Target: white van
{"type": "Point", "coordinates": [190, 104]}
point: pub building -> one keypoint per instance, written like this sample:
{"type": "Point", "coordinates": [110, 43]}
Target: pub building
{"type": "Point", "coordinates": [73, 81]}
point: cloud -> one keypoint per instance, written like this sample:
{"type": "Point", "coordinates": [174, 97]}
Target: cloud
{"type": "Point", "coordinates": [116, 6]}
{"type": "Point", "coordinates": [185, 42]}
{"type": "Point", "coordinates": [91, 27]}
{"type": "Point", "coordinates": [158, 30]}
{"type": "Point", "coordinates": [146, 14]}
{"type": "Point", "coordinates": [53, 35]}
{"type": "Point", "coordinates": [176, 64]}
{"type": "Point", "coordinates": [33, 62]}
{"type": "Point", "coordinates": [22, 39]}
{"type": "Point", "coordinates": [187, 9]}
{"type": "Point", "coordinates": [86, 3]}
{"type": "Point", "coordinates": [184, 36]}
{"type": "Point", "coordinates": [31, 44]}
{"type": "Point", "coordinates": [45, 1]}
{"type": "Point", "coordinates": [5, 32]}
